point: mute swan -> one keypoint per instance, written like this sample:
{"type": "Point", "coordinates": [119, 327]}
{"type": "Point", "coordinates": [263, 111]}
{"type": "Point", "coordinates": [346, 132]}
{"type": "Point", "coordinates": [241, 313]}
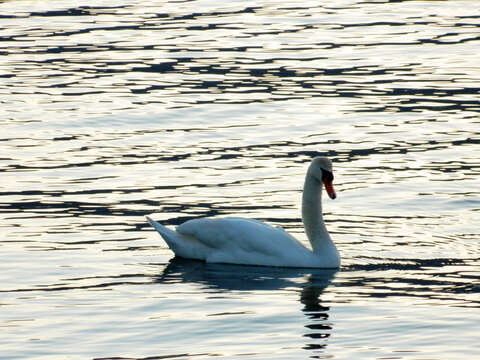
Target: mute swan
{"type": "Point", "coordinates": [252, 242]}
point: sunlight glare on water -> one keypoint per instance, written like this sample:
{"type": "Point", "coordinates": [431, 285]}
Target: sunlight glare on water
{"type": "Point", "coordinates": [116, 110]}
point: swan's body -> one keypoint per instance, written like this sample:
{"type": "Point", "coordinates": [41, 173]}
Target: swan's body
{"type": "Point", "coordinates": [252, 242]}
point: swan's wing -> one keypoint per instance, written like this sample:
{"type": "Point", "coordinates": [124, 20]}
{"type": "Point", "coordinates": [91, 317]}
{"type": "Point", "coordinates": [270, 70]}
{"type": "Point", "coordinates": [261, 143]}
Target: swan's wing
{"type": "Point", "coordinates": [231, 239]}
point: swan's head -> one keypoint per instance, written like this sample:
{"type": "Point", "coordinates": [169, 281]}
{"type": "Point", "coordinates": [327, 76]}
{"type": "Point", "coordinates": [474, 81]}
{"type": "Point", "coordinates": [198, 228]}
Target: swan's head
{"type": "Point", "coordinates": [321, 170]}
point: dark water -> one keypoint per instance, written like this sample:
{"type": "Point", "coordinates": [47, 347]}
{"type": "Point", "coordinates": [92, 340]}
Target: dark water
{"type": "Point", "coordinates": [113, 110]}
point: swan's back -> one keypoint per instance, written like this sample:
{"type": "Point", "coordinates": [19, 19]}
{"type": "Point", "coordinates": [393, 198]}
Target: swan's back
{"type": "Point", "coordinates": [238, 233]}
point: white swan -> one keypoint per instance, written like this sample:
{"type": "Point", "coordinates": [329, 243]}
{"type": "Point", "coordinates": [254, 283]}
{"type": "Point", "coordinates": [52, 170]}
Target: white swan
{"type": "Point", "coordinates": [252, 242]}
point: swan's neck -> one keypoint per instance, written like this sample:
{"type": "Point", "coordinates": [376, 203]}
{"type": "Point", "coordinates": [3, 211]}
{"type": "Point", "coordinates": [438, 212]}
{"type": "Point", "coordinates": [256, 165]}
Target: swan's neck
{"type": "Point", "coordinates": [313, 218]}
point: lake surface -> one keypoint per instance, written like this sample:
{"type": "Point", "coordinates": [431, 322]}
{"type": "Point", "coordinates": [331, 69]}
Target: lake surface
{"type": "Point", "coordinates": [113, 110]}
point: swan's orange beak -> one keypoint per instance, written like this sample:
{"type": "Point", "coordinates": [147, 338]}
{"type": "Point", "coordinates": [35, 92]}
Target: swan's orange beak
{"type": "Point", "coordinates": [329, 188]}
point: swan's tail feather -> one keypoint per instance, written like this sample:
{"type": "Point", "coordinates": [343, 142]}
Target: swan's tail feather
{"type": "Point", "coordinates": [182, 245]}
{"type": "Point", "coordinates": [168, 235]}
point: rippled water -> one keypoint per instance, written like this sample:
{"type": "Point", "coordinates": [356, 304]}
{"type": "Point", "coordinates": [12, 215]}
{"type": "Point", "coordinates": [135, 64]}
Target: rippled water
{"type": "Point", "coordinates": [114, 110]}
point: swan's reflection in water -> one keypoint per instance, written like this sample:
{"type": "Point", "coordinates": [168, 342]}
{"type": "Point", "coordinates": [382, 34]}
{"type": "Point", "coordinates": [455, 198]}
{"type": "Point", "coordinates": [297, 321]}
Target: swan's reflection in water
{"type": "Point", "coordinates": [310, 283]}
{"type": "Point", "coordinates": [318, 325]}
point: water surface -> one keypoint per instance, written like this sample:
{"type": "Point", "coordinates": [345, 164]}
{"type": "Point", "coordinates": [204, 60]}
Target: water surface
{"type": "Point", "coordinates": [116, 110]}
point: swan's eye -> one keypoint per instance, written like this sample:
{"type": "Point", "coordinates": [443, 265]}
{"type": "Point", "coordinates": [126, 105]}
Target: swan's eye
{"type": "Point", "coordinates": [327, 176]}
